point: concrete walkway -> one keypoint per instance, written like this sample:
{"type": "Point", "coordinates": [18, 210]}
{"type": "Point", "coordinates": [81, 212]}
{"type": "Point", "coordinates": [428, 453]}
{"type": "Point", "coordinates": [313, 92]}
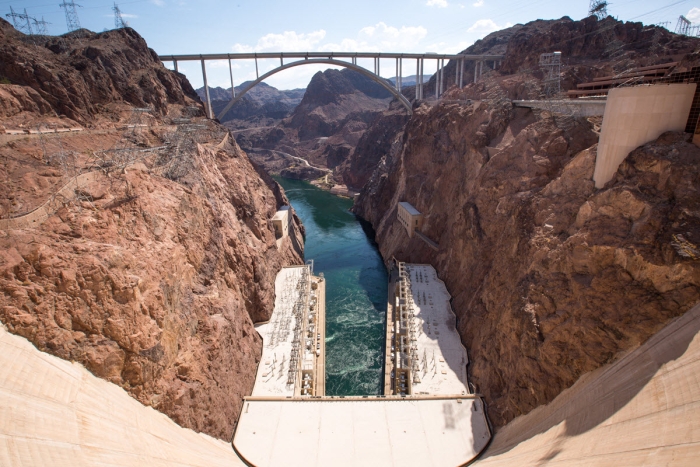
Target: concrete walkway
{"type": "Point", "coordinates": [361, 432]}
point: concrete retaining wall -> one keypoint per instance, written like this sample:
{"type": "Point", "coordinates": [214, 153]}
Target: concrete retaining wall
{"type": "Point", "coordinates": [636, 115]}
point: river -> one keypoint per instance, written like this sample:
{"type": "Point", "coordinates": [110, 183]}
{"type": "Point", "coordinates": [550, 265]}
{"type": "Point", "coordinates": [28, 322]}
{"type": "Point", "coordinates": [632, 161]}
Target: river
{"type": "Point", "coordinates": [343, 249]}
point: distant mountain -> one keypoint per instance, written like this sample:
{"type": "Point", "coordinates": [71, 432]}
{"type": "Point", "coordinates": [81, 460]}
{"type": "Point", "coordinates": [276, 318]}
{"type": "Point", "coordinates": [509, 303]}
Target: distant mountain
{"type": "Point", "coordinates": [323, 129]}
{"type": "Point", "coordinates": [263, 101]}
{"type": "Point", "coordinates": [410, 80]}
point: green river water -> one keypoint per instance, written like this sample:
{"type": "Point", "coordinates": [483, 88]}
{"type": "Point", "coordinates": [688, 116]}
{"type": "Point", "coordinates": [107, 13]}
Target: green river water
{"type": "Point", "coordinates": [343, 249]}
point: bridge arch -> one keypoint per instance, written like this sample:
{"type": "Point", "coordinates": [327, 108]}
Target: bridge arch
{"type": "Point", "coordinates": [325, 61]}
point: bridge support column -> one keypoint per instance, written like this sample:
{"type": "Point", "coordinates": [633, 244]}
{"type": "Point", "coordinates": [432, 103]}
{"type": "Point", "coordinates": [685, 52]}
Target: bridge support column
{"type": "Point", "coordinates": [400, 74]}
{"type": "Point", "coordinates": [417, 78]}
{"type": "Point", "coordinates": [437, 79]}
{"type": "Point", "coordinates": [396, 84]}
{"type": "Point", "coordinates": [175, 64]}
{"type": "Point", "coordinates": [456, 72]}
{"type": "Point", "coordinates": [206, 92]}
{"type": "Point", "coordinates": [442, 76]}
{"type": "Point", "coordinates": [257, 75]}
{"type": "Point", "coordinates": [230, 71]}
{"type": "Point", "coordinates": [461, 73]}
{"type": "Point", "coordinates": [476, 71]}
{"type": "Point", "coordinates": [422, 72]}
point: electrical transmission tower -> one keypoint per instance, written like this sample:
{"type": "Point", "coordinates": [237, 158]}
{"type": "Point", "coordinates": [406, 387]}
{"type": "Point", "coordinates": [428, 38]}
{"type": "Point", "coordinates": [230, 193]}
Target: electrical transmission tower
{"type": "Point", "coordinates": [41, 28]}
{"type": "Point", "coordinates": [119, 22]}
{"type": "Point", "coordinates": [551, 65]}
{"type": "Point", "coordinates": [21, 21]}
{"type": "Point", "coordinates": [598, 8]}
{"type": "Point", "coordinates": [72, 20]}
{"type": "Point", "coordinates": [685, 27]}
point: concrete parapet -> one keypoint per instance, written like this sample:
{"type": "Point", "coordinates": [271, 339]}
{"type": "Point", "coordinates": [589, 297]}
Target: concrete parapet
{"type": "Point", "coordinates": [636, 115]}
{"type": "Point", "coordinates": [578, 107]}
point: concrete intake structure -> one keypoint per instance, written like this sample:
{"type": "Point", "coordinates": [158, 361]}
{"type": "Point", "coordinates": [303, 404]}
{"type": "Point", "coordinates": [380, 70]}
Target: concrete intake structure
{"type": "Point", "coordinates": [409, 217]}
{"type": "Point", "coordinates": [280, 222]}
{"type": "Point", "coordinates": [636, 115]}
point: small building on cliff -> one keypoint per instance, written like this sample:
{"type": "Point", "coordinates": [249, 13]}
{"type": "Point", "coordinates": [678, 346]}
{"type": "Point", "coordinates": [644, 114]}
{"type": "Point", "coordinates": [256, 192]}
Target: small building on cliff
{"type": "Point", "coordinates": [280, 222]}
{"type": "Point", "coordinates": [409, 217]}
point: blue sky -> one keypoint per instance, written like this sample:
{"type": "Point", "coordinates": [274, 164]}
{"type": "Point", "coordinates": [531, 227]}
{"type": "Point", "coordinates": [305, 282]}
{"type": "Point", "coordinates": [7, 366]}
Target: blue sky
{"type": "Point", "coordinates": [209, 26]}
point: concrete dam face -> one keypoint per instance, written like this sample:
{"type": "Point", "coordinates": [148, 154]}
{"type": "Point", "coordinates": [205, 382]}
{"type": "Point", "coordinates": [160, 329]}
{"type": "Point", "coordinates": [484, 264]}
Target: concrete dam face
{"type": "Point", "coordinates": [642, 410]}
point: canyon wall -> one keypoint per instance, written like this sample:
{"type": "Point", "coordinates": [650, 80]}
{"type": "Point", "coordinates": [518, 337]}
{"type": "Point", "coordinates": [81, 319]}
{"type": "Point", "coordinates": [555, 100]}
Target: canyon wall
{"type": "Point", "coordinates": [324, 129]}
{"type": "Point", "coordinates": [550, 277]}
{"type": "Point", "coordinates": [154, 272]}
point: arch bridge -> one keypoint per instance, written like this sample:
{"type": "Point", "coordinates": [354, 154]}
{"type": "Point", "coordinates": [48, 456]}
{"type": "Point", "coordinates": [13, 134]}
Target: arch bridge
{"type": "Point", "coordinates": [346, 60]}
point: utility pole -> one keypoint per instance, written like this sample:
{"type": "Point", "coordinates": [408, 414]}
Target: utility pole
{"type": "Point", "coordinates": [21, 21]}
{"type": "Point", "coordinates": [41, 28]}
{"type": "Point", "coordinates": [72, 20]}
{"type": "Point", "coordinates": [119, 22]}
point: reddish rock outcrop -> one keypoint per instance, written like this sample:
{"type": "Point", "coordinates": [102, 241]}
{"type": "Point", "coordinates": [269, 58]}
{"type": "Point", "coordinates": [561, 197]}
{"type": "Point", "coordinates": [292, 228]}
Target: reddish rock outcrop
{"type": "Point", "coordinates": [81, 71]}
{"type": "Point", "coordinates": [151, 276]}
{"type": "Point", "coordinates": [550, 278]}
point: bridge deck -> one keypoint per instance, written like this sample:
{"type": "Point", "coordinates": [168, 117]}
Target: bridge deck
{"type": "Point", "coordinates": [264, 55]}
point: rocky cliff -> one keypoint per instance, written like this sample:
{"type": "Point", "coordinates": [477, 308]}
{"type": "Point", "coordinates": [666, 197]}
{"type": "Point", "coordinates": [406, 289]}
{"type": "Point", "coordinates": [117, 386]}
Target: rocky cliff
{"type": "Point", "coordinates": [153, 265]}
{"type": "Point", "coordinates": [113, 67]}
{"type": "Point", "coordinates": [325, 127]}
{"type": "Point", "coordinates": [262, 105]}
{"type": "Point", "coordinates": [550, 277]}
{"type": "Point", "coordinates": [590, 49]}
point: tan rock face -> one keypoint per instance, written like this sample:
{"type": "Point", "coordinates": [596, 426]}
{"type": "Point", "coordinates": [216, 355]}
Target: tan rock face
{"type": "Point", "coordinates": [156, 292]}
{"type": "Point", "coordinates": [550, 278]}
{"type": "Point", "coordinates": [151, 277]}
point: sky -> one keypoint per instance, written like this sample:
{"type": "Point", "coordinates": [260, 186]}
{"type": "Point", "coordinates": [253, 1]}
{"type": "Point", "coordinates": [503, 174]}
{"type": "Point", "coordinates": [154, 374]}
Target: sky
{"type": "Point", "coordinates": [211, 26]}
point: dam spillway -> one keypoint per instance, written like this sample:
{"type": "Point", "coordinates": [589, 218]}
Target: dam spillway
{"type": "Point", "coordinates": [358, 419]}
{"type": "Point", "coordinates": [288, 421]}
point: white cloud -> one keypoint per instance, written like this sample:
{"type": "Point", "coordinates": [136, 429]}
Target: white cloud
{"type": "Point", "coordinates": [478, 3]}
{"type": "Point", "coordinates": [437, 3]}
{"type": "Point", "coordinates": [485, 26]}
{"type": "Point", "coordinates": [447, 47]}
{"type": "Point", "coordinates": [693, 15]}
{"type": "Point", "coordinates": [158, 2]}
{"type": "Point", "coordinates": [381, 38]}
{"type": "Point", "coordinates": [288, 41]}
